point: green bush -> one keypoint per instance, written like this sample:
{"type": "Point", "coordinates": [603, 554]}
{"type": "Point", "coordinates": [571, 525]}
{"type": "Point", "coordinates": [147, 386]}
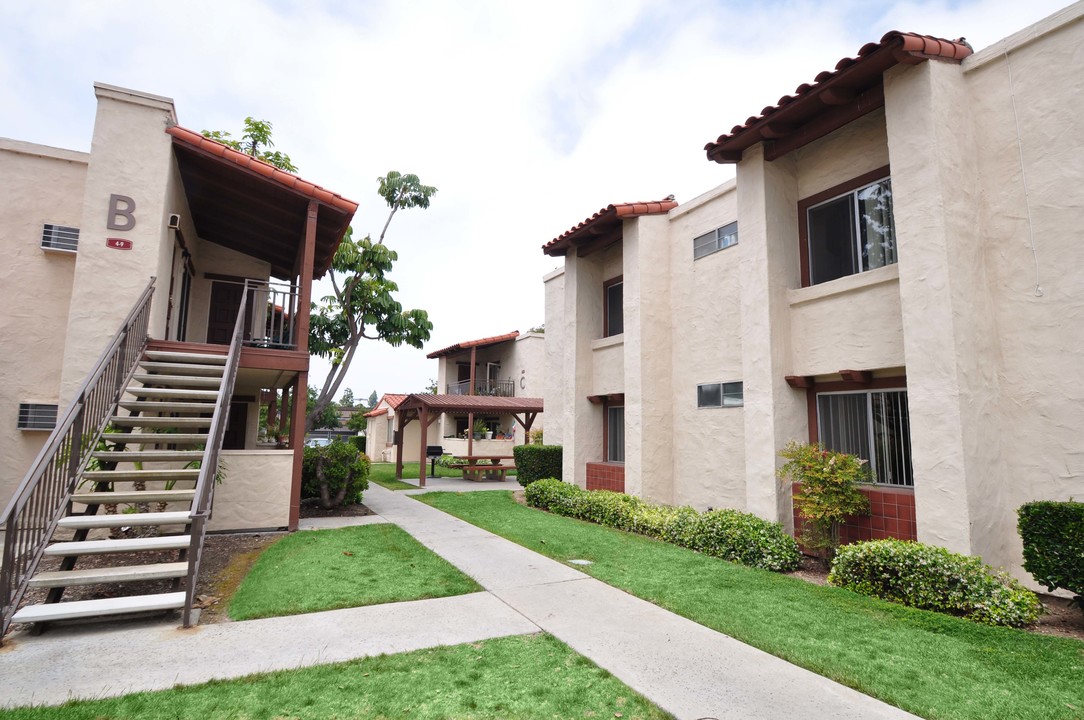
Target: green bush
{"type": "Point", "coordinates": [932, 578]}
{"type": "Point", "coordinates": [335, 473]}
{"type": "Point", "coordinates": [1053, 535]}
{"type": "Point", "coordinates": [359, 442]}
{"type": "Point", "coordinates": [728, 534]}
{"type": "Point", "coordinates": [534, 462]}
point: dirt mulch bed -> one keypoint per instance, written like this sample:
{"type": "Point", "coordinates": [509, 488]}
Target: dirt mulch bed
{"type": "Point", "coordinates": [313, 510]}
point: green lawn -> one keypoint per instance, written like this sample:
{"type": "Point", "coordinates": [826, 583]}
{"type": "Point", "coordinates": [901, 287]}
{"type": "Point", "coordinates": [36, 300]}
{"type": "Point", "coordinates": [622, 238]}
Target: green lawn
{"type": "Point", "coordinates": [384, 474]}
{"type": "Point", "coordinates": [348, 567]}
{"type": "Point", "coordinates": [533, 676]}
{"type": "Point", "coordinates": [929, 664]}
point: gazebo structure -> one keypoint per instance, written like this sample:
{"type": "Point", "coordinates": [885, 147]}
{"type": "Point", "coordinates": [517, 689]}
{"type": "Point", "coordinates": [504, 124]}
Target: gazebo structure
{"type": "Point", "coordinates": [426, 408]}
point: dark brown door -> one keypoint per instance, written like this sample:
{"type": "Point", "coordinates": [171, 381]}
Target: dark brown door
{"type": "Point", "coordinates": [234, 438]}
{"type": "Point", "coordinates": [225, 301]}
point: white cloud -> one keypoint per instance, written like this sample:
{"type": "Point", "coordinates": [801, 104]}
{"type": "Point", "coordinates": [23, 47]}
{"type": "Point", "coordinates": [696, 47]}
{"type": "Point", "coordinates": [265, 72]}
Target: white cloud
{"type": "Point", "coordinates": [527, 117]}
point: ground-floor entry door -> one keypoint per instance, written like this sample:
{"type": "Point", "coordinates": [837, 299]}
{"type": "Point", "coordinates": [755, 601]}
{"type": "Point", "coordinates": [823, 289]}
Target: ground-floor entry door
{"type": "Point", "coordinates": [225, 302]}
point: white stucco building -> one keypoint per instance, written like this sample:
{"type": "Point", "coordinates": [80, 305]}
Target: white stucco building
{"type": "Point", "coordinates": [894, 272]}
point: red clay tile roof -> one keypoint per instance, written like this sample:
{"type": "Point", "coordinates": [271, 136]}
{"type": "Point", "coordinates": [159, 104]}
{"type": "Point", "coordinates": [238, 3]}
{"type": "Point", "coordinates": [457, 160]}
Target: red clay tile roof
{"type": "Point", "coordinates": [832, 89]}
{"type": "Point", "coordinates": [392, 400]}
{"type": "Point", "coordinates": [484, 342]}
{"type": "Point", "coordinates": [604, 221]}
{"type": "Point", "coordinates": [282, 177]}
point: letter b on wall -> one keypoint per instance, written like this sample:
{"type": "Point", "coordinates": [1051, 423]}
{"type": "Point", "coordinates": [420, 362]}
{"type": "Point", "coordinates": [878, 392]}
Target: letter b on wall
{"type": "Point", "coordinates": [121, 213]}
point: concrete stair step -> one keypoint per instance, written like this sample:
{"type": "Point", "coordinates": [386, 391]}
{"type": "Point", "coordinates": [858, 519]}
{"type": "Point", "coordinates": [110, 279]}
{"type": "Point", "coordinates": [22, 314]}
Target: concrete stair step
{"type": "Point", "coordinates": [98, 608]}
{"type": "Point", "coordinates": [80, 522]}
{"type": "Point", "coordinates": [145, 421]}
{"type": "Point", "coordinates": [110, 476]}
{"type": "Point", "coordinates": [183, 357]}
{"type": "Point", "coordinates": [179, 381]}
{"type": "Point", "coordinates": [117, 574]}
{"type": "Point", "coordinates": [149, 455]}
{"type": "Point", "coordinates": [161, 438]}
{"type": "Point", "coordinates": [124, 545]}
{"type": "Point", "coordinates": [176, 368]}
{"type": "Point", "coordinates": [135, 496]}
{"type": "Point", "coordinates": [148, 406]}
{"type": "Point", "coordinates": [172, 393]}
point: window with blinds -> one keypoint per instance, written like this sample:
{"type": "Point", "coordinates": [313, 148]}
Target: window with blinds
{"type": "Point", "coordinates": [872, 425]}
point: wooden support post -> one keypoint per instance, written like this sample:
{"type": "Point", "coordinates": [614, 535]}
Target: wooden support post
{"type": "Point", "coordinates": [400, 423]}
{"type": "Point", "coordinates": [423, 432]}
{"type": "Point", "coordinates": [297, 444]}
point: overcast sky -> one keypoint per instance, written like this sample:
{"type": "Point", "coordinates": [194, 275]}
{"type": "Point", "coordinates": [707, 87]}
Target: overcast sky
{"type": "Point", "coordinates": [528, 117]}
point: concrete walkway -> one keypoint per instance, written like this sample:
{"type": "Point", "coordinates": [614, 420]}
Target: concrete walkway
{"type": "Point", "coordinates": [687, 669]}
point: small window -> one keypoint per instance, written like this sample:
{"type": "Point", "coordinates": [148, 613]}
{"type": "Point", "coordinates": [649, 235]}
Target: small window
{"type": "Point", "coordinates": [614, 312]}
{"type": "Point", "coordinates": [59, 237]}
{"type": "Point", "coordinates": [731, 394]}
{"type": "Point", "coordinates": [717, 239]}
{"type": "Point", "coordinates": [37, 416]}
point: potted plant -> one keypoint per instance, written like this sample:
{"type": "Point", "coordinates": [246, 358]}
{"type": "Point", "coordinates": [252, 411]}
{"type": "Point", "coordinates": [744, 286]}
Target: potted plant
{"type": "Point", "coordinates": [479, 429]}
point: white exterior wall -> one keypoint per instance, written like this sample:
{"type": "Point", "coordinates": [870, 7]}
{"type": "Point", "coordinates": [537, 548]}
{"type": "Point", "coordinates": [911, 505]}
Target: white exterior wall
{"type": "Point", "coordinates": [556, 342]}
{"type": "Point", "coordinates": [255, 490]}
{"type": "Point", "coordinates": [38, 185]}
{"type": "Point", "coordinates": [1037, 343]}
{"type": "Point", "coordinates": [706, 347]}
{"type": "Point", "coordinates": [131, 155]}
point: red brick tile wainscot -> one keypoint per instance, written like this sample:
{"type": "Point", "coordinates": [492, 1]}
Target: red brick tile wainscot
{"type": "Point", "coordinates": [892, 516]}
{"type": "Point", "coordinates": [606, 476]}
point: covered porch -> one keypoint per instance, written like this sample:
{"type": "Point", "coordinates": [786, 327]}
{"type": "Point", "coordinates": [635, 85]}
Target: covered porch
{"type": "Point", "coordinates": [247, 233]}
{"type": "Point", "coordinates": [426, 409]}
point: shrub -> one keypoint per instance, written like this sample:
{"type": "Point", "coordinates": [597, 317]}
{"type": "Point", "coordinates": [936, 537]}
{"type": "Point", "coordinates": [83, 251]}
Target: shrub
{"type": "Point", "coordinates": [728, 534]}
{"type": "Point", "coordinates": [1053, 535]}
{"type": "Point", "coordinates": [358, 442]}
{"type": "Point", "coordinates": [932, 578]}
{"type": "Point", "coordinates": [829, 492]}
{"type": "Point", "coordinates": [335, 473]}
{"type": "Point", "coordinates": [534, 462]}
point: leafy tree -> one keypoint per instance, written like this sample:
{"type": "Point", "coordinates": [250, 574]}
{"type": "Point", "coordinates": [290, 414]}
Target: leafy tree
{"type": "Point", "coordinates": [255, 141]}
{"type": "Point", "coordinates": [326, 417]}
{"type": "Point", "coordinates": [829, 493]}
{"type": "Point", "coordinates": [347, 400]}
{"type": "Point", "coordinates": [372, 400]}
{"type": "Point", "coordinates": [357, 421]}
{"type": "Point", "coordinates": [363, 305]}
{"type": "Point", "coordinates": [432, 388]}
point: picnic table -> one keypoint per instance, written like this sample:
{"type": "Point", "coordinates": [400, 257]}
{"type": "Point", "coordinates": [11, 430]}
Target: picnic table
{"type": "Point", "coordinates": [483, 467]}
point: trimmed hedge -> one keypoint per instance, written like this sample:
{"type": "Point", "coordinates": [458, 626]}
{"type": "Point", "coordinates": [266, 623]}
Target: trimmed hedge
{"type": "Point", "coordinates": [534, 462]}
{"type": "Point", "coordinates": [1053, 535]}
{"type": "Point", "coordinates": [336, 473]}
{"type": "Point", "coordinates": [728, 534]}
{"type": "Point", "coordinates": [932, 578]}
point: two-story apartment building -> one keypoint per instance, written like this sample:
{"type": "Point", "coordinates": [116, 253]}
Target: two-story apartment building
{"type": "Point", "coordinates": [86, 231]}
{"type": "Point", "coordinates": [894, 272]}
{"type": "Point", "coordinates": [511, 365]}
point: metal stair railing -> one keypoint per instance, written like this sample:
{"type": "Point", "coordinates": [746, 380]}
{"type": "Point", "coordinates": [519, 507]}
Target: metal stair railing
{"type": "Point", "coordinates": [205, 485]}
{"type": "Point", "coordinates": [44, 495]}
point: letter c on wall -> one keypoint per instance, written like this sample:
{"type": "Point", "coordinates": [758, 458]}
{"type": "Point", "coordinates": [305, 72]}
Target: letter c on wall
{"type": "Point", "coordinates": [121, 213]}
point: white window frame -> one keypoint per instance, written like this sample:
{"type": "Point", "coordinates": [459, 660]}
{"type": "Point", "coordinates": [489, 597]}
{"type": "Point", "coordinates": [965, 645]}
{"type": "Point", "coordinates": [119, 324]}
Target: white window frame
{"type": "Point", "coordinates": [59, 238]}
{"type": "Point", "coordinates": [34, 416]}
{"type": "Point", "coordinates": [731, 394]}
{"type": "Point", "coordinates": [718, 239]}
{"type": "Point", "coordinates": [873, 460]}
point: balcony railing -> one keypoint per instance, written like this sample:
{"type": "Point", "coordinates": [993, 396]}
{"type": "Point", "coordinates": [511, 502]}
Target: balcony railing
{"type": "Point", "coordinates": [272, 317]}
{"type": "Point", "coordinates": [493, 388]}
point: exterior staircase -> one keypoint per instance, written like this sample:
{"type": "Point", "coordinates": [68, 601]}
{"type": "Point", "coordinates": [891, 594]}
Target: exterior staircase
{"type": "Point", "coordinates": [144, 473]}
